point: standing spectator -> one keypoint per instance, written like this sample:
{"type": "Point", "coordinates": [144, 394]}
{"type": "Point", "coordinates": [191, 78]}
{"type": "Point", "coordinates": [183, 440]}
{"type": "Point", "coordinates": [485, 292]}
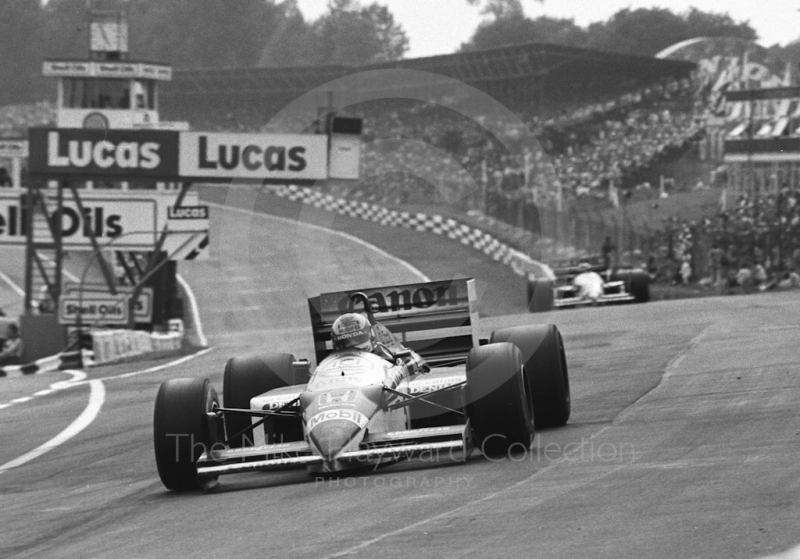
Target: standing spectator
{"type": "Point", "coordinates": [715, 257]}
{"type": "Point", "coordinates": [744, 277]}
{"type": "Point", "coordinates": [759, 275]}
{"type": "Point", "coordinates": [11, 353]}
{"type": "Point", "coordinates": [608, 248]}
{"type": "Point", "coordinates": [686, 271]}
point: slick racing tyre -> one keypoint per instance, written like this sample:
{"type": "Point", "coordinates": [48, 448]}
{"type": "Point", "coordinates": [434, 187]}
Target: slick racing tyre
{"type": "Point", "coordinates": [499, 406]}
{"type": "Point", "coordinates": [640, 287]}
{"type": "Point", "coordinates": [542, 351]}
{"type": "Point", "coordinates": [540, 295]}
{"type": "Point", "coordinates": [247, 377]}
{"type": "Point", "coordinates": [637, 283]}
{"type": "Point", "coordinates": [182, 431]}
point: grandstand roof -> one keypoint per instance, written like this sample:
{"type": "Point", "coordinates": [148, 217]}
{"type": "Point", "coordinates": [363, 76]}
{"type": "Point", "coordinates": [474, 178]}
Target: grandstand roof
{"type": "Point", "coordinates": [529, 60]}
{"type": "Point", "coordinates": [537, 59]}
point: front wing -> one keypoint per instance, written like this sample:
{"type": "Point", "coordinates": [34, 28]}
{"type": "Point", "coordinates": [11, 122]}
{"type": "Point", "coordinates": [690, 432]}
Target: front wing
{"type": "Point", "coordinates": [452, 443]}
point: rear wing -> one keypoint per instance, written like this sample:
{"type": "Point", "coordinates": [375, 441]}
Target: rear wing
{"type": "Point", "coordinates": [436, 319]}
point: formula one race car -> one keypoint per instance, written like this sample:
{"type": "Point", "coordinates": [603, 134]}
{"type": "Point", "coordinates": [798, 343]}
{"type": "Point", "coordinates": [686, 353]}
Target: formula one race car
{"type": "Point", "coordinates": [558, 289]}
{"type": "Point", "coordinates": [359, 409]}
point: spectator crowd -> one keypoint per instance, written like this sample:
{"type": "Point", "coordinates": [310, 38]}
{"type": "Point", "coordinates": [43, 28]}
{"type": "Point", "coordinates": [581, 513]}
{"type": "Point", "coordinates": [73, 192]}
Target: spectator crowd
{"type": "Point", "coordinates": [753, 244]}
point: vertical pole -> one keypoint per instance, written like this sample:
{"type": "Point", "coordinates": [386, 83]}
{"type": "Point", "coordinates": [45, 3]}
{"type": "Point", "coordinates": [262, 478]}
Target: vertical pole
{"type": "Point", "coordinates": [27, 222]}
{"type": "Point", "coordinates": [58, 242]}
{"type": "Point", "coordinates": [16, 172]}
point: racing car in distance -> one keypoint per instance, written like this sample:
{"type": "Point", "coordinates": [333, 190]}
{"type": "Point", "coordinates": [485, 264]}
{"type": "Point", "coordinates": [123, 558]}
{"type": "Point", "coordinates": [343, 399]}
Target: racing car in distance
{"type": "Point", "coordinates": [361, 410]}
{"type": "Point", "coordinates": [556, 290]}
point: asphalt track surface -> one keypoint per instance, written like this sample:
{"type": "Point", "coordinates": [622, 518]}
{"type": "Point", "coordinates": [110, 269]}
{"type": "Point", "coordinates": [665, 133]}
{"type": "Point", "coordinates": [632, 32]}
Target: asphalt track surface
{"type": "Point", "coordinates": [683, 441]}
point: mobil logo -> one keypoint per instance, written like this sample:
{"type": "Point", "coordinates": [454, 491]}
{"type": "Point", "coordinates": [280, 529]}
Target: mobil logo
{"type": "Point", "coordinates": [350, 415]}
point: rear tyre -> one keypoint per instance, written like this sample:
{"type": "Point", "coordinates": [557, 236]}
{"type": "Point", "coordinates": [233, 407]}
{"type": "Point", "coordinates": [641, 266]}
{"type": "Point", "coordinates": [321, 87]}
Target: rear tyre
{"type": "Point", "coordinates": [182, 431]}
{"type": "Point", "coordinates": [540, 295]}
{"type": "Point", "coordinates": [545, 360]}
{"type": "Point", "coordinates": [498, 402]}
{"type": "Point", "coordinates": [245, 378]}
{"type": "Point", "coordinates": [637, 283]}
{"type": "Point", "coordinates": [640, 287]}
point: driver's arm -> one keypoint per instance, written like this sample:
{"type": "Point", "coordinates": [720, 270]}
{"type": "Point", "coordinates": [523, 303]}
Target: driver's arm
{"type": "Point", "coordinates": [412, 360]}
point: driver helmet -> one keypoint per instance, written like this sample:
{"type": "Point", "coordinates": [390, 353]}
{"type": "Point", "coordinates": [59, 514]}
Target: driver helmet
{"type": "Point", "coordinates": [351, 331]}
{"type": "Point", "coordinates": [584, 267]}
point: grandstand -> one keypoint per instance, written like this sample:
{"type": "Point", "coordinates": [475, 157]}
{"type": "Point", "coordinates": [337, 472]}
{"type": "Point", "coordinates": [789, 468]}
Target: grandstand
{"type": "Point", "coordinates": [522, 77]}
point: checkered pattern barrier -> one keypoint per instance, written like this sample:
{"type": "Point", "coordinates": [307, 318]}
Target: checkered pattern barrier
{"type": "Point", "coordinates": [521, 263]}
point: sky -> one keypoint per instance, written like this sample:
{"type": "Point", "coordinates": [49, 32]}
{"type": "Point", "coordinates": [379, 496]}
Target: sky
{"type": "Point", "coordinates": [440, 26]}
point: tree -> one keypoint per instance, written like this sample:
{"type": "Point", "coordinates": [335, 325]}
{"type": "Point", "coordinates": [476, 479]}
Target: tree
{"type": "Point", "coordinates": [203, 33]}
{"type": "Point", "coordinates": [647, 31]}
{"type": "Point", "coordinates": [642, 31]}
{"type": "Point", "coordinates": [501, 9]}
{"type": "Point", "coordinates": [290, 42]}
{"type": "Point", "coordinates": [705, 24]}
{"type": "Point", "coordinates": [512, 30]}
{"type": "Point", "coordinates": [352, 34]}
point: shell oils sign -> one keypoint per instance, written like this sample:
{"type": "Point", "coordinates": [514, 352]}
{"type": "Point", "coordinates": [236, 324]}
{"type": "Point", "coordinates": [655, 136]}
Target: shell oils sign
{"type": "Point", "coordinates": [134, 219]}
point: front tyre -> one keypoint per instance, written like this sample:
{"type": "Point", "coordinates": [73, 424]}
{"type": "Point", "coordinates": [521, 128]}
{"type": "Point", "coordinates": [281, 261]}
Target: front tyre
{"type": "Point", "coordinates": [183, 430]}
{"type": "Point", "coordinates": [246, 378]}
{"type": "Point", "coordinates": [498, 402]}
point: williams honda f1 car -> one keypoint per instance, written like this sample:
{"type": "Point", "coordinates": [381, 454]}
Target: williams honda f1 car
{"type": "Point", "coordinates": [362, 410]}
{"type": "Point", "coordinates": [556, 289]}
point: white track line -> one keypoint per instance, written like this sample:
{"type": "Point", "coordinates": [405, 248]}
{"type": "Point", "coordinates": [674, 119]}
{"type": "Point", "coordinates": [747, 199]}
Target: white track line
{"type": "Point", "coordinates": [19, 291]}
{"type": "Point", "coordinates": [97, 397]}
{"type": "Point", "coordinates": [347, 236]}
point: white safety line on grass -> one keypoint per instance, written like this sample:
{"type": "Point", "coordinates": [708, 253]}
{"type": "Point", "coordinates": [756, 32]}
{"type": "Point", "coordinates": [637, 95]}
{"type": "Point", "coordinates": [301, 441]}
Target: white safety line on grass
{"type": "Point", "coordinates": [347, 236]}
{"type": "Point", "coordinates": [97, 397]}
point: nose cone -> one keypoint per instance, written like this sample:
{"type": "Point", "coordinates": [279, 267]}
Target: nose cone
{"type": "Point", "coordinates": [332, 430]}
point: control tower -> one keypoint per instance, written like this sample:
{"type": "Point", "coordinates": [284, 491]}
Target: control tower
{"type": "Point", "coordinates": [108, 90]}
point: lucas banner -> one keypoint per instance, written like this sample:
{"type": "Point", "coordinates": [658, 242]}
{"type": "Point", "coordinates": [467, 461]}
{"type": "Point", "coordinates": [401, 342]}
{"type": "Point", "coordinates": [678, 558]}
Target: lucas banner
{"type": "Point", "coordinates": [108, 153]}
{"type": "Point", "coordinates": [253, 156]}
{"type": "Point", "coordinates": [170, 154]}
